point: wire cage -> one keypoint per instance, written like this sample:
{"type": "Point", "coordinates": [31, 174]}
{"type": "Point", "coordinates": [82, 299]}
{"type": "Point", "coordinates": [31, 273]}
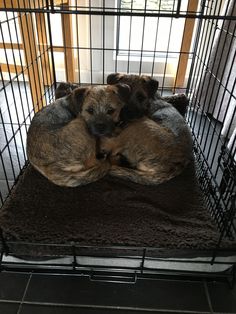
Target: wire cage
{"type": "Point", "coordinates": [187, 45]}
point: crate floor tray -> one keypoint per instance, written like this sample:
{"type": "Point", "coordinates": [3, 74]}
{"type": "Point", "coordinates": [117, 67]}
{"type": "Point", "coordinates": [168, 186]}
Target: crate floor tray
{"type": "Point", "coordinates": [109, 212]}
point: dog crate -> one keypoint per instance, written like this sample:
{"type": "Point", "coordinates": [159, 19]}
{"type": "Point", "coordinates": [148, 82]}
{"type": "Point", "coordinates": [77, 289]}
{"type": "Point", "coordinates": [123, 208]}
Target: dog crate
{"type": "Point", "coordinates": [189, 46]}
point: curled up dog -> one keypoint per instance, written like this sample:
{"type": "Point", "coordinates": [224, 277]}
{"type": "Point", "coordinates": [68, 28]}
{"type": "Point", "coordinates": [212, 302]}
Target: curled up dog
{"type": "Point", "coordinates": [155, 144]}
{"type": "Point", "coordinates": [62, 138]}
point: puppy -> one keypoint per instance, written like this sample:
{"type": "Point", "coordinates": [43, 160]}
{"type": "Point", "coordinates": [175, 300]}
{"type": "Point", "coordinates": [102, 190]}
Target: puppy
{"type": "Point", "coordinates": [147, 152]}
{"type": "Point", "coordinates": [156, 143]}
{"type": "Point", "coordinates": [61, 142]}
{"type": "Point", "coordinates": [145, 100]}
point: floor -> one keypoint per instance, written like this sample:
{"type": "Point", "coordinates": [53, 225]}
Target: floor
{"type": "Point", "coordinates": [32, 293]}
{"type": "Point", "coordinates": [29, 293]}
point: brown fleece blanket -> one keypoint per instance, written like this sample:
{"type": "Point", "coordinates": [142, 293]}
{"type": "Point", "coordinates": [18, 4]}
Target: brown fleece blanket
{"type": "Point", "coordinates": [108, 212]}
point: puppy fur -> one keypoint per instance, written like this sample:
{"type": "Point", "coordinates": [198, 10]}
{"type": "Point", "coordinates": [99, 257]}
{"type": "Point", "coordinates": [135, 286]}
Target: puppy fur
{"type": "Point", "coordinates": [64, 89]}
{"type": "Point", "coordinates": [61, 141]}
{"type": "Point", "coordinates": [156, 147]}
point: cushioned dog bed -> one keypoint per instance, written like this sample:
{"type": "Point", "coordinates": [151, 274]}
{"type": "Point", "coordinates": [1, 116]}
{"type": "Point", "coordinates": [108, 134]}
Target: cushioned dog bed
{"type": "Point", "coordinates": [109, 212]}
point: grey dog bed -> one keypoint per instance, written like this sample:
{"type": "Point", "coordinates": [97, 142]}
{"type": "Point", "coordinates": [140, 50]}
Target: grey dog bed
{"type": "Point", "coordinates": [109, 212]}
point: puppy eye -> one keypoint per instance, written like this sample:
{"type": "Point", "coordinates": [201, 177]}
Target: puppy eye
{"type": "Point", "coordinates": [110, 111]}
{"type": "Point", "coordinates": [90, 110]}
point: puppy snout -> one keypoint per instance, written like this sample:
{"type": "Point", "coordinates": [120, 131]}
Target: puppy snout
{"type": "Point", "coordinates": [100, 127]}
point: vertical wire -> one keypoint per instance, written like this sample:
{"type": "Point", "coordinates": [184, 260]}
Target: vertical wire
{"type": "Point", "coordinates": [4, 129]}
{"type": "Point", "coordinates": [202, 57]}
{"type": "Point", "coordinates": [78, 42]}
{"type": "Point", "coordinates": [167, 52]}
{"type": "Point", "coordinates": [225, 115]}
{"type": "Point", "coordinates": [208, 128]}
{"type": "Point", "coordinates": [155, 44]}
{"type": "Point", "coordinates": [26, 57]}
{"type": "Point", "coordinates": [15, 66]}
{"type": "Point", "coordinates": [50, 72]}
{"type": "Point", "coordinates": [38, 60]}
{"type": "Point", "coordinates": [143, 31]}
{"type": "Point", "coordinates": [43, 55]}
{"type": "Point", "coordinates": [19, 89]}
{"type": "Point", "coordinates": [130, 31]}
{"type": "Point", "coordinates": [178, 7]}
{"type": "Point", "coordinates": [189, 53]}
{"type": "Point", "coordinates": [103, 43]}
{"type": "Point", "coordinates": [22, 67]}
{"type": "Point", "coordinates": [65, 48]}
{"type": "Point", "coordinates": [51, 46]}
{"type": "Point", "coordinates": [221, 103]}
{"type": "Point", "coordinates": [205, 106]}
{"type": "Point", "coordinates": [14, 100]}
{"type": "Point", "coordinates": [90, 43]}
{"type": "Point", "coordinates": [40, 99]}
{"type": "Point", "coordinates": [117, 33]}
{"type": "Point", "coordinates": [217, 116]}
{"type": "Point", "coordinates": [194, 71]}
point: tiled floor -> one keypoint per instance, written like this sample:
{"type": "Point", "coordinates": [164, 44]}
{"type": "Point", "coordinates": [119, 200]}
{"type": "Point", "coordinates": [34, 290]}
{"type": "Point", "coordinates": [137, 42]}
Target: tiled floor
{"type": "Point", "coordinates": [30, 293]}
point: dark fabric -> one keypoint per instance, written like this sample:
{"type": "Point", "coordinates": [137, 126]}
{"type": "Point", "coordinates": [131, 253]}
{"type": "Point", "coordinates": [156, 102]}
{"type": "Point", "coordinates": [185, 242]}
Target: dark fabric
{"type": "Point", "coordinates": [109, 212]}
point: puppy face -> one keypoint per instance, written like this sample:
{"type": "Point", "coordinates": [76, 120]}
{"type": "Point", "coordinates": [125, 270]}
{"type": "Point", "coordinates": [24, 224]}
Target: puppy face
{"type": "Point", "coordinates": [100, 106]}
{"type": "Point", "coordinates": [143, 88]}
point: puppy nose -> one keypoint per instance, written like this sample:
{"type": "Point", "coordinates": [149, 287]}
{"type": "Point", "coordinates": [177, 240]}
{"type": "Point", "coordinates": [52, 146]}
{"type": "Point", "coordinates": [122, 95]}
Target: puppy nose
{"type": "Point", "coordinates": [100, 126]}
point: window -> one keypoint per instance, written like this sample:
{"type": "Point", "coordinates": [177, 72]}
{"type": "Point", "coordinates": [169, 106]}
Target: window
{"type": "Point", "coordinates": [87, 47]}
{"type": "Point", "coordinates": [150, 37]}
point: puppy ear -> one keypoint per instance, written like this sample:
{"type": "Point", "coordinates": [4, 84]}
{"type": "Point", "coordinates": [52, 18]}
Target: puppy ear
{"type": "Point", "coordinates": [152, 85]}
{"type": "Point", "coordinates": [124, 91]}
{"type": "Point", "coordinates": [76, 99]}
{"type": "Point", "coordinates": [62, 90]}
{"type": "Point", "coordinates": [114, 78]}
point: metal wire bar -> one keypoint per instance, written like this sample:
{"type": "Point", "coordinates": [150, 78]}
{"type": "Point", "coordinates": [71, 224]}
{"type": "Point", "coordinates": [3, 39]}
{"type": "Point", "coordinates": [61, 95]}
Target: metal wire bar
{"type": "Point", "coordinates": [21, 64]}
{"type": "Point", "coordinates": [19, 90]}
{"type": "Point", "coordinates": [117, 38]}
{"type": "Point", "coordinates": [103, 44]}
{"type": "Point", "coordinates": [78, 45]}
{"type": "Point", "coordinates": [30, 63]}
{"type": "Point", "coordinates": [203, 57]}
{"type": "Point", "coordinates": [155, 43]}
{"type": "Point", "coordinates": [90, 44]}
{"type": "Point", "coordinates": [111, 12]}
{"type": "Point", "coordinates": [143, 31]}
{"type": "Point", "coordinates": [8, 105]}
{"type": "Point", "coordinates": [168, 45]}
{"type": "Point", "coordinates": [51, 50]}
{"type": "Point", "coordinates": [211, 162]}
{"type": "Point", "coordinates": [218, 89]}
{"type": "Point", "coordinates": [36, 37]}
{"type": "Point", "coordinates": [130, 32]}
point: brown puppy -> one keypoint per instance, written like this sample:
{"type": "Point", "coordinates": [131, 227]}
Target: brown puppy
{"type": "Point", "coordinates": [144, 99]}
{"type": "Point", "coordinates": [61, 142]}
{"type": "Point", "coordinates": [148, 150]}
